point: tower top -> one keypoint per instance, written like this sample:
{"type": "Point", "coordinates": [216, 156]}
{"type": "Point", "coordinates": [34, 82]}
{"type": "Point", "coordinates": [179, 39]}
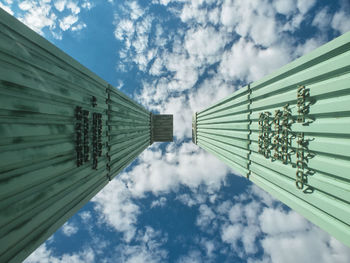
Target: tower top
{"type": "Point", "coordinates": [162, 127]}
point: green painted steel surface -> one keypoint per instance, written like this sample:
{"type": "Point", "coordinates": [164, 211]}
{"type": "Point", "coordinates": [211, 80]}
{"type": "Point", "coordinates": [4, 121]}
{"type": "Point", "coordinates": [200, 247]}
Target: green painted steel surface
{"type": "Point", "coordinates": [162, 128]}
{"type": "Point", "coordinates": [305, 163]}
{"type": "Point", "coordinates": [44, 139]}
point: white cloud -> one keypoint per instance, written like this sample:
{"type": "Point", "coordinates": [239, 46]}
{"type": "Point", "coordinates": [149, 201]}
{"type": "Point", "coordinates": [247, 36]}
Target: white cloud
{"type": "Point", "coordinates": [193, 199]}
{"type": "Point", "coordinates": [43, 255]}
{"type": "Point", "coordinates": [136, 11]}
{"type": "Point", "coordinates": [164, 2]}
{"type": "Point", "coordinates": [157, 174]}
{"type": "Point", "coordinates": [57, 35]}
{"type": "Point", "coordinates": [193, 256]}
{"type": "Point", "coordinates": [294, 23]}
{"type": "Point", "coordinates": [60, 5]}
{"type": "Point", "coordinates": [44, 14]}
{"type": "Point", "coordinates": [157, 67]}
{"type": "Point", "coordinates": [231, 234]}
{"type": "Point", "coordinates": [209, 247]}
{"type": "Point", "coordinates": [322, 19]}
{"type": "Point", "coordinates": [73, 7]}
{"type": "Point", "coordinates": [191, 168]}
{"type": "Point", "coordinates": [159, 202]}
{"type": "Point", "coordinates": [205, 217]}
{"type": "Point", "coordinates": [87, 5]}
{"type": "Point", "coordinates": [246, 62]}
{"type": "Point", "coordinates": [285, 236]}
{"type": "Point", "coordinates": [184, 69]}
{"type": "Point", "coordinates": [38, 15]}
{"type": "Point", "coordinates": [228, 18]}
{"type": "Point", "coordinates": [85, 216]}
{"type": "Point", "coordinates": [249, 237]}
{"type": "Point", "coordinates": [124, 29]}
{"type": "Point", "coordinates": [205, 44]}
{"type": "Point", "coordinates": [69, 229]}
{"type": "Point", "coordinates": [235, 213]}
{"type": "Point", "coordinates": [209, 92]}
{"type": "Point", "coordinates": [214, 16]}
{"type": "Point", "coordinates": [275, 221]}
{"type": "Point", "coordinates": [309, 45]}
{"type": "Point", "coordinates": [341, 21]}
{"type": "Point", "coordinates": [149, 176]}
{"type": "Point", "coordinates": [6, 8]}
{"type": "Point", "coordinates": [140, 43]}
{"type": "Point", "coordinates": [25, 5]}
{"type": "Point", "coordinates": [116, 208]}
{"type": "Point", "coordinates": [134, 34]}
{"type": "Point", "coordinates": [305, 6]}
{"type": "Point", "coordinates": [242, 226]}
{"type": "Point", "coordinates": [307, 246]}
{"type": "Point", "coordinates": [250, 18]}
{"type": "Point", "coordinates": [264, 197]}
{"type": "Point", "coordinates": [67, 22]}
{"type": "Point", "coordinates": [192, 11]}
{"type": "Point", "coordinates": [78, 27]}
{"type": "Point", "coordinates": [285, 7]}
{"type": "Point", "coordinates": [146, 248]}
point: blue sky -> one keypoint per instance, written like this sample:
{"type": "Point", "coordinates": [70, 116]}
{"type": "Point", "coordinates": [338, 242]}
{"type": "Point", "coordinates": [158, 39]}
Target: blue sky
{"type": "Point", "coordinates": [176, 203]}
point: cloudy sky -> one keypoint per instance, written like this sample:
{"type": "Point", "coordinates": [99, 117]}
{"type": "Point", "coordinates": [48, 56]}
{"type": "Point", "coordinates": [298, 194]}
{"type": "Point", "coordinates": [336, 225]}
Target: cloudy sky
{"type": "Point", "coordinates": [176, 203]}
